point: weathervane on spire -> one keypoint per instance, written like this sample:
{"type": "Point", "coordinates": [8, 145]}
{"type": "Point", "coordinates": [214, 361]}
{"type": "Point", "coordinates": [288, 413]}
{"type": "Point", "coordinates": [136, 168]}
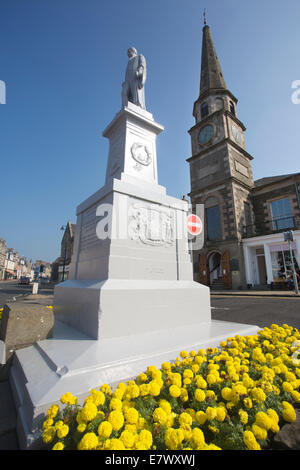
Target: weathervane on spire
{"type": "Point", "coordinates": [204, 16]}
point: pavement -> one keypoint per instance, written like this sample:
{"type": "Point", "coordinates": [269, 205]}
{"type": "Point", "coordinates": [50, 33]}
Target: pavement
{"type": "Point", "coordinates": [226, 305]}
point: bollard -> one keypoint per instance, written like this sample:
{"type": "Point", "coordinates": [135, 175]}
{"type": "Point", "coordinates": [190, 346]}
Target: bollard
{"type": "Point", "coordinates": [35, 286]}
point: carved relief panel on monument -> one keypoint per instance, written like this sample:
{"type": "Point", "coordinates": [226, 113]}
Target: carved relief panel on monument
{"type": "Point", "coordinates": [151, 224]}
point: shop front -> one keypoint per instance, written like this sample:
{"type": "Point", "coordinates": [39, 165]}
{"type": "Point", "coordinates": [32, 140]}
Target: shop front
{"type": "Point", "coordinates": [269, 259]}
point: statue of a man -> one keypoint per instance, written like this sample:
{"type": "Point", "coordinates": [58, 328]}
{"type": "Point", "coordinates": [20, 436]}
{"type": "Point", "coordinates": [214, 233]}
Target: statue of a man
{"type": "Point", "coordinates": [135, 78]}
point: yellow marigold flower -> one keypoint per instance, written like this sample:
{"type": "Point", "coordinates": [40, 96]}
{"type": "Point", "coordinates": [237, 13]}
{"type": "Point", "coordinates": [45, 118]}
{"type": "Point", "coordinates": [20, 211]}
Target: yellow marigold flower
{"type": "Point", "coordinates": [160, 416]}
{"type": "Point", "coordinates": [52, 411]}
{"type": "Point", "coordinates": [173, 438]}
{"type": "Point", "coordinates": [185, 419]}
{"type": "Point", "coordinates": [201, 382]}
{"type": "Point", "coordinates": [131, 415]}
{"type": "Point", "coordinates": [166, 366]}
{"type": "Point", "coordinates": [116, 419]}
{"type": "Point", "coordinates": [258, 394]}
{"type": "Point", "coordinates": [239, 389]}
{"type": "Point", "coordinates": [250, 441]}
{"type": "Point", "coordinates": [176, 379]}
{"type": "Point", "coordinates": [58, 424]}
{"type": "Point", "coordinates": [154, 388]}
{"type": "Point", "coordinates": [198, 438]}
{"type": "Point", "coordinates": [226, 393]}
{"type": "Point", "coordinates": [288, 412]}
{"type": "Point", "coordinates": [184, 354]}
{"type": "Point", "coordinates": [201, 417]}
{"type": "Point", "coordinates": [259, 432]}
{"type": "Point", "coordinates": [247, 402]}
{"type": "Point", "coordinates": [144, 390]}
{"type": "Point", "coordinates": [115, 404]}
{"type": "Point", "coordinates": [116, 444]}
{"type": "Point", "coordinates": [132, 391]}
{"type": "Point", "coordinates": [220, 413]}
{"type": "Point", "coordinates": [143, 440]}
{"type": "Point", "coordinates": [211, 413]}
{"type": "Point", "coordinates": [213, 447]}
{"type": "Point", "coordinates": [88, 442]}
{"type": "Point", "coordinates": [105, 388]}
{"type": "Point", "coordinates": [105, 429]}
{"type": "Point", "coordinates": [263, 420]}
{"type": "Point", "coordinates": [63, 431]}
{"type": "Point", "coordinates": [48, 434]}
{"type": "Point", "coordinates": [296, 396]}
{"type": "Point", "coordinates": [128, 439]}
{"type": "Point", "coordinates": [47, 423]}
{"type": "Point", "coordinates": [188, 373]}
{"type": "Point", "coordinates": [211, 394]}
{"type": "Point", "coordinates": [81, 427]}
{"type": "Point", "coordinates": [247, 381]}
{"type": "Point", "coordinates": [243, 416]}
{"type": "Point", "coordinates": [287, 387]}
{"type": "Point", "coordinates": [142, 378]}
{"type": "Point", "coordinates": [68, 399]}
{"type": "Point", "coordinates": [89, 411]}
{"type": "Point", "coordinates": [165, 405]}
{"type": "Point", "coordinates": [212, 378]}
{"type": "Point", "coordinates": [199, 395]}
{"type": "Point", "coordinates": [98, 397]}
{"type": "Point", "coordinates": [174, 391]}
{"type": "Point", "coordinates": [58, 446]}
{"type": "Point", "coordinates": [184, 396]}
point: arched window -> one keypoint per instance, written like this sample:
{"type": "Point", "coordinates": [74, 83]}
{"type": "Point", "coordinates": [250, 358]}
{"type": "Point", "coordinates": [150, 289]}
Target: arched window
{"type": "Point", "coordinates": [213, 219]}
{"type": "Point", "coordinates": [204, 110]}
{"type": "Point", "coordinates": [232, 108]}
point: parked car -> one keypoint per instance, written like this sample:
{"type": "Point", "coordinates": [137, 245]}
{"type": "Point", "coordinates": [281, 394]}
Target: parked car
{"type": "Point", "coordinates": [24, 280]}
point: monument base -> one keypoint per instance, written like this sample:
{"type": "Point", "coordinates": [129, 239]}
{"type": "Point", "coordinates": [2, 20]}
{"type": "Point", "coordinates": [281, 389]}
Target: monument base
{"type": "Point", "coordinates": [73, 362]}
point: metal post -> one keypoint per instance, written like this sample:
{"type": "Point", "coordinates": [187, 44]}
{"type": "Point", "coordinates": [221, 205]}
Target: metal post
{"type": "Point", "coordinates": [293, 268]}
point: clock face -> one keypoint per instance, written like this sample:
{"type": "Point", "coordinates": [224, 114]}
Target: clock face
{"type": "Point", "coordinates": [236, 134]}
{"type": "Point", "coordinates": [205, 134]}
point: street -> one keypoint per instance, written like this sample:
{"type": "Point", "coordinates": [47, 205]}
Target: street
{"type": "Point", "coordinates": [11, 290]}
{"type": "Point", "coordinates": [255, 310]}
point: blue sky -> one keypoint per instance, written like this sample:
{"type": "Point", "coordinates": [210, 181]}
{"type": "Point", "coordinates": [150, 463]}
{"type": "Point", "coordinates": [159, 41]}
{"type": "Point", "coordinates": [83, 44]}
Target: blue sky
{"type": "Point", "coordinates": [63, 63]}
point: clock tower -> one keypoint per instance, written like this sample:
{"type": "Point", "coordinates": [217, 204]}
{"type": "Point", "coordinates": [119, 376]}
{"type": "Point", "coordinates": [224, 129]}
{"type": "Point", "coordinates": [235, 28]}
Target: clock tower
{"type": "Point", "coordinates": [221, 175]}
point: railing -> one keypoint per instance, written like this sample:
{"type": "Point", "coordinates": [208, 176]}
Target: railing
{"type": "Point", "coordinates": [277, 224]}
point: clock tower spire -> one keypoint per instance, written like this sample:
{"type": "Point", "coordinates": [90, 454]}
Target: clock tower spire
{"type": "Point", "coordinates": [220, 173]}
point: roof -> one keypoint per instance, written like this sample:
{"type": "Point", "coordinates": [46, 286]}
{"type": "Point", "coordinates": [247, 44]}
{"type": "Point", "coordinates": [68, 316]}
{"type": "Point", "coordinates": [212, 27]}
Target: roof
{"type": "Point", "coordinates": [211, 73]}
{"type": "Point", "coordinates": [272, 179]}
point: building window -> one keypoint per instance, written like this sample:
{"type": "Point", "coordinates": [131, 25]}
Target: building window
{"type": "Point", "coordinates": [232, 108]}
{"type": "Point", "coordinates": [281, 211]}
{"type": "Point", "coordinates": [213, 223]}
{"type": "Point", "coordinates": [204, 110]}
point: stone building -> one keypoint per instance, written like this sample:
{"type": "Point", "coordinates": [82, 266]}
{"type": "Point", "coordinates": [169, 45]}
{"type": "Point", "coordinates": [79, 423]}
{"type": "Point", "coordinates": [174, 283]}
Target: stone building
{"type": "Point", "coordinates": [60, 267]}
{"type": "Point", "coordinates": [237, 209]}
{"type": "Point", "coordinates": [2, 258]}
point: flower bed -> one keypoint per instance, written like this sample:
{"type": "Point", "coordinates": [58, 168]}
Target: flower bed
{"type": "Point", "coordinates": [236, 396]}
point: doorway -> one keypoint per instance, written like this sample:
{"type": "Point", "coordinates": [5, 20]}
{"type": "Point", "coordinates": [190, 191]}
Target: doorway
{"type": "Point", "coordinates": [262, 272]}
{"type": "Point", "coordinates": [215, 268]}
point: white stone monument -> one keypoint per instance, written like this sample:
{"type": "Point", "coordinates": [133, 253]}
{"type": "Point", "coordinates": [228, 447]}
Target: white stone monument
{"type": "Point", "coordinates": [130, 300]}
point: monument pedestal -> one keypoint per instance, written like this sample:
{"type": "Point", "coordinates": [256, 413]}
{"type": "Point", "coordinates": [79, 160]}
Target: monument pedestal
{"type": "Point", "coordinates": [130, 300]}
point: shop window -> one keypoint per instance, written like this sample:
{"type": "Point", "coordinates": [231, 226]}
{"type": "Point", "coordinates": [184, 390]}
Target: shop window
{"type": "Point", "coordinates": [282, 268]}
{"type": "Point", "coordinates": [282, 217]}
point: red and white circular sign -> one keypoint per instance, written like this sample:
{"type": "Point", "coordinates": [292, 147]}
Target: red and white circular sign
{"type": "Point", "coordinates": [194, 224]}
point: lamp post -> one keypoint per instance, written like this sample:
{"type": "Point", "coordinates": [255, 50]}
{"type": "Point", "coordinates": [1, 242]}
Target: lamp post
{"type": "Point", "coordinates": [65, 253]}
{"type": "Point", "coordinates": [289, 237]}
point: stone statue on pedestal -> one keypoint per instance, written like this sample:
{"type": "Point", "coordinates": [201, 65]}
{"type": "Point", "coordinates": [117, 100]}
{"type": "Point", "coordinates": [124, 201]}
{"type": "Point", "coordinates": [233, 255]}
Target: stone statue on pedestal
{"type": "Point", "coordinates": [135, 78]}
